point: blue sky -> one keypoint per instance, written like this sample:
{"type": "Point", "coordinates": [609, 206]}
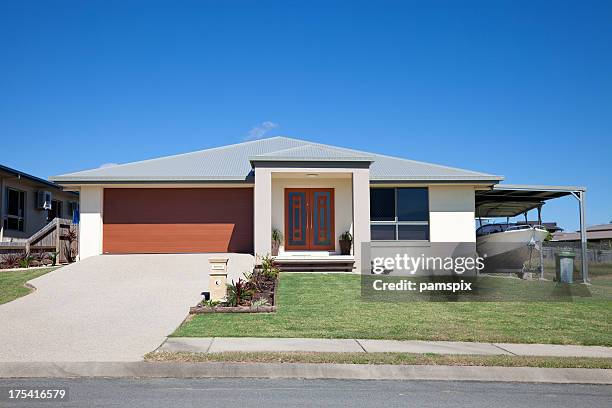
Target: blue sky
{"type": "Point", "coordinates": [522, 89]}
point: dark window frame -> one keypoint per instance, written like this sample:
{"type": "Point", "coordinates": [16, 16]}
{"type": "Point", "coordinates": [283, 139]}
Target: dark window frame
{"type": "Point", "coordinates": [21, 206]}
{"type": "Point", "coordinates": [396, 222]}
{"type": "Point", "coordinates": [57, 210]}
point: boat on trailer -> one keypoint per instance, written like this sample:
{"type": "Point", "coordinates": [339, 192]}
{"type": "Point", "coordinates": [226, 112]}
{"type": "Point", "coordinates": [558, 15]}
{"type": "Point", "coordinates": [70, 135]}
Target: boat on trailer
{"type": "Point", "coordinates": [494, 239]}
{"type": "Point", "coordinates": [509, 248]}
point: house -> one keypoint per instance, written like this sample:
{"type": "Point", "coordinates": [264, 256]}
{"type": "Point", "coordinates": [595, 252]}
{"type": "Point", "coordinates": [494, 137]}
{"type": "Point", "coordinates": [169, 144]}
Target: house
{"type": "Point", "coordinates": [228, 199]}
{"type": "Point", "coordinates": [601, 233]}
{"type": "Point", "coordinates": [28, 203]}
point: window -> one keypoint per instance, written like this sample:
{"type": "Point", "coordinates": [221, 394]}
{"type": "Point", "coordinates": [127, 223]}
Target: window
{"type": "Point", "coordinates": [55, 211]}
{"type": "Point", "coordinates": [73, 207]}
{"type": "Point", "coordinates": [382, 204]}
{"type": "Point", "coordinates": [15, 210]}
{"type": "Point", "coordinates": [399, 214]}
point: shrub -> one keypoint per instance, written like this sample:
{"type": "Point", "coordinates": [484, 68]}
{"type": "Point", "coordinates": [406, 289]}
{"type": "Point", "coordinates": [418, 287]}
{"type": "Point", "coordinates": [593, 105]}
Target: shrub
{"type": "Point", "coordinates": [209, 303]}
{"type": "Point", "coordinates": [346, 236]}
{"type": "Point", "coordinates": [10, 261]}
{"type": "Point", "coordinates": [25, 260]}
{"type": "Point", "coordinates": [277, 236]}
{"type": "Point", "coordinates": [238, 292]}
{"type": "Point", "coordinates": [269, 268]}
{"type": "Point", "coordinates": [260, 302]}
{"type": "Point", "coordinates": [53, 256]}
{"type": "Point", "coordinates": [39, 258]}
{"type": "Point", "coordinates": [70, 237]}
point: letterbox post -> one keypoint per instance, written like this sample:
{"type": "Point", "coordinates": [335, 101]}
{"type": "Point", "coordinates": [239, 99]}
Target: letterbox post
{"type": "Point", "coordinates": [218, 279]}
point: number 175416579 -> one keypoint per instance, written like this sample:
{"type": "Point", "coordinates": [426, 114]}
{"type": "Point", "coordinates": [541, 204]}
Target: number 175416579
{"type": "Point", "coordinates": [57, 394]}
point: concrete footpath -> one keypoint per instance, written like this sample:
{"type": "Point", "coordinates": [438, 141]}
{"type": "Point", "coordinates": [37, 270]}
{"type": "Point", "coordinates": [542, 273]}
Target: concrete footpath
{"type": "Point", "coordinates": [259, 344]}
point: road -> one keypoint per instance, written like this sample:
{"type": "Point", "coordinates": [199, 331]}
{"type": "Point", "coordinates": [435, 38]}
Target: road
{"type": "Point", "coordinates": [177, 393]}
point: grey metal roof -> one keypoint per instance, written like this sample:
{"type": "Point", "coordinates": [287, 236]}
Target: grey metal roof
{"type": "Point", "coordinates": [5, 170]}
{"type": "Point", "coordinates": [510, 200]}
{"type": "Point", "coordinates": [232, 163]}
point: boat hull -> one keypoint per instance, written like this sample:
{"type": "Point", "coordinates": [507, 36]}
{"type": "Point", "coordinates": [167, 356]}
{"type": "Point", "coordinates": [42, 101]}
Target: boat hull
{"type": "Point", "coordinates": [495, 244]}
{"type": "Point", "coordinates": [510, 251]}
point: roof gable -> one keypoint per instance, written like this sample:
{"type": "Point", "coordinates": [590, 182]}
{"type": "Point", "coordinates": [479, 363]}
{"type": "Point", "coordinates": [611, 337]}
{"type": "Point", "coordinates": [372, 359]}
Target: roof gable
{"type": "Point", "coordinates": [312, 152]}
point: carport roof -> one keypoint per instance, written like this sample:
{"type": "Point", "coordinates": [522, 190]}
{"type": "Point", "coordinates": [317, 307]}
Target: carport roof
{"type": "Point", "coordinates": [234, 163]}
{"type": "Point", "coordinates": [510, 200]}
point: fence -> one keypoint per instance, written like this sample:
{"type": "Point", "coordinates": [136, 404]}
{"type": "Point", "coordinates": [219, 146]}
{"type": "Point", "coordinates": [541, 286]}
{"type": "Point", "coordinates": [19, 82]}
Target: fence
{"type": "Point", "coordinates": [594, 255]}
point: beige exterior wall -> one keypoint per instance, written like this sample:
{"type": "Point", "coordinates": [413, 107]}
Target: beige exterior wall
{"type": "Point", "coordinates": [34, 218]}
{"type": "Point", "coordinates": [90, 227]}
{"type": "Point", "coordinates": [451, 213]}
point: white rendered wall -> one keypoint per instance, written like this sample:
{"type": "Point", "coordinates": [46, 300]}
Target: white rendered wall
{"type": "Point", "coordinates": [262, 219]}
{"type": "Point", "coordinates": [361, 210]}
{"type": "Point", "coordinates": [451, 213]}
{"type": "Point", "coordinates": [90, 224]}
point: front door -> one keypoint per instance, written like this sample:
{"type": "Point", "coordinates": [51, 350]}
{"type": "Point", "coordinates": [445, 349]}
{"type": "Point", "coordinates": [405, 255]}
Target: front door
{"type": "Point", "coordinates": [309, 219]}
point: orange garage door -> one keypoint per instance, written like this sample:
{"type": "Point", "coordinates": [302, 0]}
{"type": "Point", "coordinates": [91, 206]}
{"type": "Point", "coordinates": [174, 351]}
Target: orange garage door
{"type": "Point", "coordinates": [176, 220]}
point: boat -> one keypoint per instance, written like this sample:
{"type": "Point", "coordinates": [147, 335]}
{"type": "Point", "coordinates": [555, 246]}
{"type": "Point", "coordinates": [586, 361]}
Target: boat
{"type": "Point", "coordinates": [494, 239]}
{"type": "Point", "coordinates": [508, 247]}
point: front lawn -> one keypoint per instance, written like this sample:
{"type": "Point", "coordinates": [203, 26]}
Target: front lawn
{"type": "Point", "coordinates": [12, 284]}
{"type": "Point", "coordinates": [330, 306]}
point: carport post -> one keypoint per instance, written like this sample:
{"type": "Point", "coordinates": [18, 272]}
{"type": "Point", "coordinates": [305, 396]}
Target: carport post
{"type": "Point", "coordinates": [583, 237]}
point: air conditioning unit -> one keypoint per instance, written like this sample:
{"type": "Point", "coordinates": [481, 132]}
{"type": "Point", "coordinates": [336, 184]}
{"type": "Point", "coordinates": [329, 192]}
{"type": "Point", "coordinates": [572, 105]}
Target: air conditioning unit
{"type": "Point", "coordinates": [43, 200]}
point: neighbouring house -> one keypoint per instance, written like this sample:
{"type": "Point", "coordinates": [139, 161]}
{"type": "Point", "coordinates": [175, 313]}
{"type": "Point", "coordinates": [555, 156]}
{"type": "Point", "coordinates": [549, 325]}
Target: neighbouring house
{"type": "Point", "coordinates": [601, 234]}
{"type": "Point", "coordinates": [228, 199]}
{"type": "Point", "coordinates": [28, 203]}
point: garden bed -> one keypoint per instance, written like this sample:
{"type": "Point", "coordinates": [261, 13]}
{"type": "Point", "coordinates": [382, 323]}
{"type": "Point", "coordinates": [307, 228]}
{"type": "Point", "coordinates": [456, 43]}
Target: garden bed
{"type": "Point", "coordinates": [232, 309]}
{"type": "Point", "coordinates": [24, 260]}
{"type": "Point", "coordinates": [255, 294]}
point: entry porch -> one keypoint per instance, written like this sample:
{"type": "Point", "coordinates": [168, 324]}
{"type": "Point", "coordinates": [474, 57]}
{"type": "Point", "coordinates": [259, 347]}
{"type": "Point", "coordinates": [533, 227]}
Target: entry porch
{"type": "Point", "coordinates": [312, 208]}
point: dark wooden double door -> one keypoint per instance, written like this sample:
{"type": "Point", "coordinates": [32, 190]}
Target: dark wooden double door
{"type": "Point", "coordinates": [309, 219]}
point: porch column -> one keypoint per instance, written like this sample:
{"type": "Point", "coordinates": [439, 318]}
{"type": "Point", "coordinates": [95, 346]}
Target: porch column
{"type": "Point", "coordinates": [361, 212]}
{"type": "Point", "coordinates": [262, 218]}
{"type": "Point", "coordinates": [90, 225]}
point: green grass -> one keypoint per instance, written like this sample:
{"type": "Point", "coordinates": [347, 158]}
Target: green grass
{"type": "Point", "coordinates": [383, 358]}
{"type": "Point", "coordinates": [12, 284]}
{"type": "Point", "coordinates": [330, 306]}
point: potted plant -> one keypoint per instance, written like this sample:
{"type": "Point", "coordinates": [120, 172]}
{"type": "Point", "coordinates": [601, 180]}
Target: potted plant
{"type": "Point", "coordinates": [277, 238]}
{"type": "Point", "coordinates": [346, 241]}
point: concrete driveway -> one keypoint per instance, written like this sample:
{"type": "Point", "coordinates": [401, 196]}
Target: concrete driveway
{"type": "Point", "coordinates": [106, 308]}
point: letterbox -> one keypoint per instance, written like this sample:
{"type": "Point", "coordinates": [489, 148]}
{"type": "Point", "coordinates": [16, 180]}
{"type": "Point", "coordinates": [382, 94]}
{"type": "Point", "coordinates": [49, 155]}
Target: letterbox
{"type": "Point", "coordinates": [218, 278]}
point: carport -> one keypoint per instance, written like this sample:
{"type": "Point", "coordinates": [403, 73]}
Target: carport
{"type": "Point", "coordinates": [511, 200]}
